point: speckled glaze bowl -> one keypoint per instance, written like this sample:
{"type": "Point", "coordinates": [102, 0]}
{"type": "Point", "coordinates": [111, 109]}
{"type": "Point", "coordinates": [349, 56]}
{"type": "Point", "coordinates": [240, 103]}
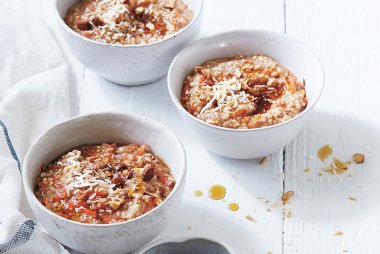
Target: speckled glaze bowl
{"type": "Point", "coordinates": [129, 64]}
{"type": "Point", "coordinates": [248, 143]}
{"type": "Point", "coordinates": [123, 237]}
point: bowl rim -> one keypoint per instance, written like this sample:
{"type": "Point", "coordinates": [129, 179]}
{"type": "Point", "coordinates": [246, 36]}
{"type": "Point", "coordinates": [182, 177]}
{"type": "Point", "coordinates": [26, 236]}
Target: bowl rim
{"type": "Point", "coordinates": [168, 38]}
{"type": "Point", "coordinates": [251, 33]}
{"type": "Point", "coordinates": [180, 180]}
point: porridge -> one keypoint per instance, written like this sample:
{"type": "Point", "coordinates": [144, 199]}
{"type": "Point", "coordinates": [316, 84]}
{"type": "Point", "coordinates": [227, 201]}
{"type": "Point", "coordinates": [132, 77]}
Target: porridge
{"type": "Point", "coordinates": [243, 92]}
{"type": "Point", "coordinates": [103, 184]}
{"type": "Point", "coordinates": [128, 21]}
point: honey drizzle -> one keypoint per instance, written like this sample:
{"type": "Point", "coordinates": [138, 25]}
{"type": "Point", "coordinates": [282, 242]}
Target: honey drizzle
{"type": "Point", "coordinates": [217, 192]}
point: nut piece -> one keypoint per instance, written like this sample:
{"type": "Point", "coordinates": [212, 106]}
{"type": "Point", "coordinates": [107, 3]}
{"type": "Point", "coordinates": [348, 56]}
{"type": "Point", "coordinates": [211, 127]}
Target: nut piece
{"type": "Point", "coordinates": [115, 205]}
{"type": "Point", "coordinates": [287, 196]}
{"type": "Point", "coordinates": [150, 26]}
{"type": "Point", "coordinates": [170, 4]}
{"type": "Point", "coordinates": [358, 157]}
{"type": "Point", "coordinates": [139, 10]}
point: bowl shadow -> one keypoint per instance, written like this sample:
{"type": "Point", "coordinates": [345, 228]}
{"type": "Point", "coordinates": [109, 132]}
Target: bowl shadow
{"type": "Point", "coordinates": [327, 197]}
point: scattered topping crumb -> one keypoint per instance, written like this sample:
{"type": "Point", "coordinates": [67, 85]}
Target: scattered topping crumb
{"type": "Point", "coordinates": [263, 161]}
{"type": "Point", "coordinates": [358, 158]}
{"type": "Point", "coordinates": [306, 170]}
{"type": "Point", "coordinates": [287, 196]}
{"type": "Point", "coordinates": [352, 198]}
{"type": "Point", "coordinates": [337, 167]}
{"type": "Point", "coordinates": [324, 152]}
{"type": "Point", "coordinates": [289, 214]}
{"type": "Point", "coordinates": [189, 228]}
{"type": "Point", "coordinates": [250, 218]}
{"type": "Point", "coordinates": [338, 233]}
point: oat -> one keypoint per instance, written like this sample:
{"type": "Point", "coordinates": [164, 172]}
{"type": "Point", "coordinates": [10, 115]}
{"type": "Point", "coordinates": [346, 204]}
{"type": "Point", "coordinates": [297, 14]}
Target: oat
{"type": "Point", "coordinates": [358, 158]}
{"type": "Point", "coordinates": [287, 196]}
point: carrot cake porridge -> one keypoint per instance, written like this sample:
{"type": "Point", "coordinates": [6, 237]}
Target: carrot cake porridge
{"type": "Point", "coordinates": [128, 21]}
{"type": "Point", "coordinates": [103, 184]}
{"type": "Point", "coordinates": [243, 92]}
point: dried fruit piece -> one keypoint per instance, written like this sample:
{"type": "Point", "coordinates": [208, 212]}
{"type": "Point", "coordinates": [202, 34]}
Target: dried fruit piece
{"type": "Point", "coordinates": [149, 174]}
{"type": "Point", "coordinates": [358, 157]}
{"type": "Point", "coordinates": [84, 25]}
{"type": "Point", "coordinates": [198, 69]}
{"type": "Point", "coordinates": [98, 22]}
{"type": "Point", "coordinates": [287, 196]}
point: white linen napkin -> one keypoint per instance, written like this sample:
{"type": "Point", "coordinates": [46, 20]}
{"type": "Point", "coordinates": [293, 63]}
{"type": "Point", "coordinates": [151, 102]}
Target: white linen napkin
{"type": "Point", "coordinates": [34, 94]}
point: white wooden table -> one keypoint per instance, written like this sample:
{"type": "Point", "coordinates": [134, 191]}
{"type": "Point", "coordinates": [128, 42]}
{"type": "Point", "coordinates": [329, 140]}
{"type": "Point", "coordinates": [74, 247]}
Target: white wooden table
{"type": "Point", "coordinates": [345, 34]}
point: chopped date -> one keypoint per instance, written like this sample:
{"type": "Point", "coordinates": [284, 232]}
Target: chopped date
{"type": "Point", "coordinates": [84, 25]}
{"type": "Point", "coordinates": [98, 22]}
{"type": "Point", "coordinates": [148, 174]}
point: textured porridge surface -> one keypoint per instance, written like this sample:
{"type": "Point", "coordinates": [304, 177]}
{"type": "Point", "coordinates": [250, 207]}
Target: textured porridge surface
{"type": "Point", "coordinates": [128, 21]}
{"type": "Point", "coordinates": [105, 183]}
{"type": "Point", "coordinates": [243, 92]}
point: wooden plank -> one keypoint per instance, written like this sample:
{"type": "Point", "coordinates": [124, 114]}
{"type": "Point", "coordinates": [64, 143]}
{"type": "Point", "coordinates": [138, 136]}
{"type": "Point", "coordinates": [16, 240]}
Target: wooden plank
{"type": "Point", "coordinates": [245, 180]}
{"type": "Point", "coordinates": [342, 34]}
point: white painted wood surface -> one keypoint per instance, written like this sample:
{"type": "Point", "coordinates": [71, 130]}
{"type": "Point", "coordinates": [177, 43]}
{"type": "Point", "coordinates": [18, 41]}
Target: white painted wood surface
{"type": "Point", "coordinates": [344, 34]}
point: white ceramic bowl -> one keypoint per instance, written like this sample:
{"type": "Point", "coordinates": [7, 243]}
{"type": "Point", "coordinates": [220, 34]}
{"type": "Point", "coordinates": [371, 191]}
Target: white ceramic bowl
{"type": "Point", "coordinates": [252, 143]}
{"type": "Point", "coordinates": [121, 237]}
{"type": "Point", "coordinates": [129, 64]}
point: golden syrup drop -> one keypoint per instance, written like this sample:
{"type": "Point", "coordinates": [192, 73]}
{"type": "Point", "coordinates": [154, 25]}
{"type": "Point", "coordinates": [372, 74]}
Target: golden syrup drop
{"type": "Point", "coordinates": [324, 152]}
{"type": "Point", "coordinates": [198, 193]}
{"type": "Point", "coordinates": [233, 207]}
{"type": "Point", "coordinates": [217, 192]}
